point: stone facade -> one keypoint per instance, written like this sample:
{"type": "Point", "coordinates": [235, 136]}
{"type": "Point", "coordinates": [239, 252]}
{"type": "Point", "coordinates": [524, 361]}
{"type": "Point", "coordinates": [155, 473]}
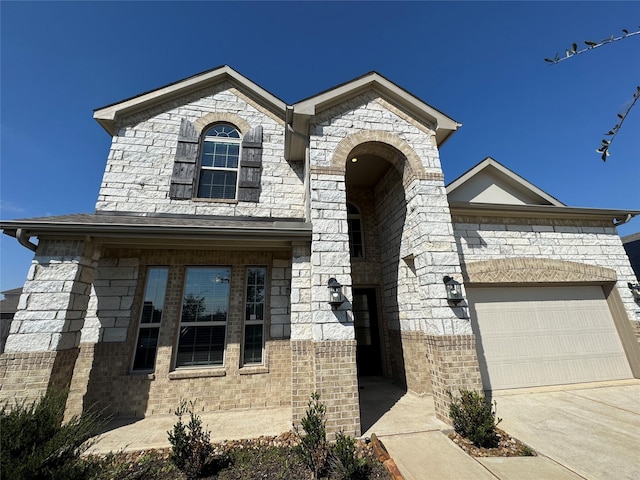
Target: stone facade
{"type": "Point", "coordinates": [82, 305]}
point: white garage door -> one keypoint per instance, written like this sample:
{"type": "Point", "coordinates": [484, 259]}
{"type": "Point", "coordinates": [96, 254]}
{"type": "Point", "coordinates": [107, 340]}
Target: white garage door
{"type": "Point", "coordinates": [535, 336]}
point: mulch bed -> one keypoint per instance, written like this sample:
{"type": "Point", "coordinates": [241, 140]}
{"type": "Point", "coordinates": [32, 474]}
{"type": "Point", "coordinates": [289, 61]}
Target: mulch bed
{"type": "Point", "coordinates": [260, 458]}
{"type": "Point", "coordinates": [507, 446]}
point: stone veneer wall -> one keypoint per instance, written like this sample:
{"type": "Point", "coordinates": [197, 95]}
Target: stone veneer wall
{"type": "Point", "coordinates": [592, 243]}
{"type": "Point", "coordinates": [140, 163]}
{"type": "Point", "coordinates": [454, 362]}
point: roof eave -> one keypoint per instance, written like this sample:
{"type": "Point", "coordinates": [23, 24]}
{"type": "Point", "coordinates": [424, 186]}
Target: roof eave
{"type": "Point", "coordinates": [107, 116]}
{"type": "Point", "coordinates": [542, 211]}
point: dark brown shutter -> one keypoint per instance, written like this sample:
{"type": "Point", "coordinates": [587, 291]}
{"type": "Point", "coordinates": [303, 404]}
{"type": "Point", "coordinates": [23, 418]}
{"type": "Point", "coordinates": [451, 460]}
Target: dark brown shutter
{"type": "Point", "coordinates": [250, 166]}
{"type": "Point", "coordinates": [184, 166]}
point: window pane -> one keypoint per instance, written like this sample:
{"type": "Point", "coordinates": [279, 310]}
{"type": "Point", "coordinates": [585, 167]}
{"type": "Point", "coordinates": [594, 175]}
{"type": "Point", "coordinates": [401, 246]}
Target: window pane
{"type": "Point", "coordinates": [223, 130]}
{"type": "Point", "coordinates": [145, 357]}
{"type": "Point", "coordinates": [206, 295]}
{"type": "Point", "coordinates": [154, 295]}
{"type": "Point", "coordinates": [201, 345]}
{"type": "Point", "coordinates": [253, 344]}
{"type": "Point", "coordinates": [217, 184]}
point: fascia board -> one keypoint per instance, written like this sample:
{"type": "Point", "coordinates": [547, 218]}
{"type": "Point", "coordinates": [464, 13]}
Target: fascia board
{"type": "Point", "coordinates": [288, 230]}
{"type": "Point", "coordinates": [107, 116]}
{"type": "Point", "coordinates": [514, 177]}
{"type": "Point", "coordinates": [539, 211]}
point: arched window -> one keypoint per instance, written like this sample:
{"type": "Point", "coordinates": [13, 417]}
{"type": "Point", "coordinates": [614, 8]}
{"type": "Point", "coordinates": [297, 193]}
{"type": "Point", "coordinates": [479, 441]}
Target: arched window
{"type": "Point", "coordinates": [354, 222]}
{"type": "Point", "coordinates": [219, 161]}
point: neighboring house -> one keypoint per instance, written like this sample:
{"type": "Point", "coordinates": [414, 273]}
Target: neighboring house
{"type": "Point", "coordinates": [225, 219]}
{"type": "Point", "coordinates": [8, 308]}
{"type": "Point", "coordinates": [631, 244]}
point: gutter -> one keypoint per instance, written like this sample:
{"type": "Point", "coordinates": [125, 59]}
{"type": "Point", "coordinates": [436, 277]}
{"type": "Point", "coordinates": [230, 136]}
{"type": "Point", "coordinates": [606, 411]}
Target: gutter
{"type": "Point", "coordinates": [24, 239]}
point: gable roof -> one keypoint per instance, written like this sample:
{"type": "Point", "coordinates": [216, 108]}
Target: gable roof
{"type": "Point", "coordinates": [491, 182]}
{"type": "Point", "coordinates": [445, 125]}
{"type": "Point", "coordinates": [107, 116]}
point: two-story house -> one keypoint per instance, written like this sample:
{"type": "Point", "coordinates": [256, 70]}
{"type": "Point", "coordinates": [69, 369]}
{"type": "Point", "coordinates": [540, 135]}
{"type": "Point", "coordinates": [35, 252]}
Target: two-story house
{"type": "Point", "coordinates": [247, 252]}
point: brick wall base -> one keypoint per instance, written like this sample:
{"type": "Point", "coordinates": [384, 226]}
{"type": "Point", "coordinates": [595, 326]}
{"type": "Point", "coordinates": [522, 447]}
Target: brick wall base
{"type": "Point", "coordinates": [409, 361]}
{"type": "Point", "coordinates": [330, 369]}
{"type": "Point", "coordinates": [26, 376]}
{"type": "Point", "coordinates": [454, 366]}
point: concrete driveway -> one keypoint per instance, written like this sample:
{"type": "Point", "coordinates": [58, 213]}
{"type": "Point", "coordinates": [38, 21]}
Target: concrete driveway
{"type": "Point", "coordinates": [590, 429]}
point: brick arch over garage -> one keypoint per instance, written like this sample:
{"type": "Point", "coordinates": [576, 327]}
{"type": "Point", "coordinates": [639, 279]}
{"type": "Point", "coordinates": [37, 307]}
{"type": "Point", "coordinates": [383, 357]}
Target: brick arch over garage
{"type": "Point", "coordinates": [219, 117]}
{"type": "Point", "coordinates": [384, 144]}
{"type": "Point", "coordinates": [534, 270]}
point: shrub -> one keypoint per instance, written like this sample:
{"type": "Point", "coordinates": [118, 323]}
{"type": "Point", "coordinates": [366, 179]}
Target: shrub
{"type": "Point", "coordinates": [34, 444]}
{"type": "Point", "coordinates": [190, 444]}
{"type": "Point", "coordinates": [313, 449]}
{"type": "Point", "coordinates": [344, 464]}
{"type": "Point", "coordinates": [474, 417]}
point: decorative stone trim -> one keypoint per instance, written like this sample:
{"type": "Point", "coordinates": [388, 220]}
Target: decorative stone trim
{"type": "Point", "coordinates": [206, 120]}
{"type": "Point", "coordinates": [328, 170]}
{"type": "Point", "coordinates": [534, 270]}
{"type": "Point", "coordinates": [385, 144]}
{"type": "Point", "coordinates": [557, 222]}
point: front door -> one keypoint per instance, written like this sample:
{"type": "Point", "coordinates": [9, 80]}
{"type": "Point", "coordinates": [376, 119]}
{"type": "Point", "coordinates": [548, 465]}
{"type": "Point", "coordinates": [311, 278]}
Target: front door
{"type": "Point", "coordinates": [365, 313]}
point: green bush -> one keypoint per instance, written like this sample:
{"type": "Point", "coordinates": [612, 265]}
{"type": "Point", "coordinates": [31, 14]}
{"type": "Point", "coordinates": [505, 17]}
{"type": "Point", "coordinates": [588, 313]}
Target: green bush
{"type": "Point", "coordinates": [34, 444]}
{"type": "Point", "coordinates": [191, 447]}
{"type": "Point", "coordinates": [474, 417]}
{"type": "Point", "coordinates": [344, 464]}
{"type": "Point", "coordinates": [313, 449]}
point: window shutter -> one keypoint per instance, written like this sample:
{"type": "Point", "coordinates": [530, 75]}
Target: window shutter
{"type": "Point", "coordinates": [184, 166]}
{"type": "Point", "coordinates": [251, 166]}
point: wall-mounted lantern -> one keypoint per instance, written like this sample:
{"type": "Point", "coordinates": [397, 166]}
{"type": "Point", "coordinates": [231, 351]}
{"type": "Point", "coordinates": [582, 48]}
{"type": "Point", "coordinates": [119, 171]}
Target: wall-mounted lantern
{"type": "Point", "coordinates": [454, 290]}
{"type": "Point", "coordinates": [336, 297]}
{"type": "Point", "coordinates": [635, 290]}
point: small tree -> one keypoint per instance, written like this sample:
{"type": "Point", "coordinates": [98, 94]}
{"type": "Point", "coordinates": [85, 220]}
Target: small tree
{"type": "Point", "coordinates": [313, 449]}
{"type": "Point", "coordinates": [190, 444]}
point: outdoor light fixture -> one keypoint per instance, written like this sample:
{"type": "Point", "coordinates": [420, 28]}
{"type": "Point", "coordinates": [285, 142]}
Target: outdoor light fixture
{"type": "Point", "coordinates": [354, 159]}
{"type": "Point", "coordinates": [454, 290]}
{"type": "Point", "coordinates": [336, 297]}
{"type": "Point", "coordinates": [635, 290]}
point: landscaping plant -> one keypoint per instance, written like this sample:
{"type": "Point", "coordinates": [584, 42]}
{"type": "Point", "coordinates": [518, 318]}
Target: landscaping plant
{"type": "Point", "coordinates": [313, 448]}
{"type": "Point", "coordinates": [344, 464]}
{"type": "Point", "coordinates": [35, 444]}
{"type": "Point", "coordinates": [191, 447]}
{"type": "Point", "coordinates": [474, 417]}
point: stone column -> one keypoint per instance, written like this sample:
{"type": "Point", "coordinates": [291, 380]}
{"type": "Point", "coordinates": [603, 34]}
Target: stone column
{"type": "Point", "coordinates": [447, 335]}
{"type": "Point", "coordinates": [42, 347]}
{"type": "Point", "coordinates": [334, 345]}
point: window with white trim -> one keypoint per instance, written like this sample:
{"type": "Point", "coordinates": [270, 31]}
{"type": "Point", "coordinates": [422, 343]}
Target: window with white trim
{"type": "Point", "coordinates": [219, 162]}
{"type": "Point", "coordinates": [203, 322]}
{"type": "Point", "coordinates": [144, 358]}
{"type": "Point", "coordinates": [253, 339]}
{"type": "Point", "coordinates": [354, 224]}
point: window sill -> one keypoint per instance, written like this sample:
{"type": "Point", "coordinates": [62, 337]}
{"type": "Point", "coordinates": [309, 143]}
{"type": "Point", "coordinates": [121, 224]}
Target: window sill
{"type": "Point", "coordinates": [253, 370]}
{"type": "Point", "coordinates": [231, 201]}
{"type": "Point", "coordinates": [143, 374]}
{"type": "Point", "coordinates": [197, 373]}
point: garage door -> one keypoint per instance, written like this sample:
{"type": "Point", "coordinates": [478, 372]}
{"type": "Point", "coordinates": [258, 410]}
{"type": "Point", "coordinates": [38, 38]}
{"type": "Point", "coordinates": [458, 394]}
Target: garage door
{"type": "Point", "coordinates": [535, 336]}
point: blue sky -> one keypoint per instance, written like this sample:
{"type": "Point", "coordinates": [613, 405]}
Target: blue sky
{"type": "Point", "coordinates": [478, 62]}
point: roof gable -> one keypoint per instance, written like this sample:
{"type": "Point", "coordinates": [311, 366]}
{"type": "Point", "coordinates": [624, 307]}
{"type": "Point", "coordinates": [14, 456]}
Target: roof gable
{"type": "Point", "coordinates": [444, 125]}
{"type": "Point", "coordinates": [490, 182]}
{"type": "Point", "coordinates": [108, 115]}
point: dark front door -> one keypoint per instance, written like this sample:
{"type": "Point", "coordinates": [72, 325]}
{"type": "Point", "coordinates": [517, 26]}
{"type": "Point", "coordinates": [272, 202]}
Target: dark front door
{"type": "Point", "coordinates": [365, 312]}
